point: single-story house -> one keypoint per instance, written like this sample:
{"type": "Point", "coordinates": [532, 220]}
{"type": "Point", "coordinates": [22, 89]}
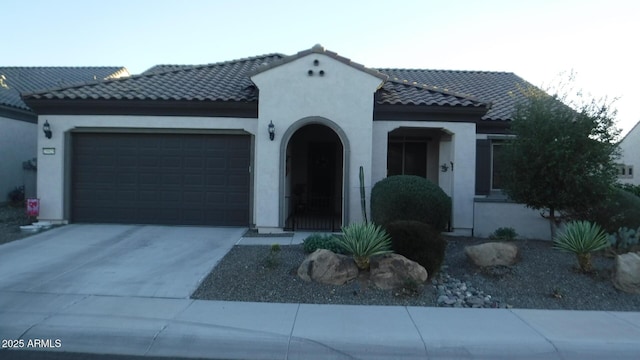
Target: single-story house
{"type": "Point", "coordinates": [629, 157]}
{"type": "Point", "coordinates": [18, 122]}
{"type": "Point", "coordinates": [274, 142]}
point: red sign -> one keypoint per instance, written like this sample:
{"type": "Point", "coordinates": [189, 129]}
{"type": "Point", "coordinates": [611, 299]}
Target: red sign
{"type": "Point", "coordinates": [33, 207]}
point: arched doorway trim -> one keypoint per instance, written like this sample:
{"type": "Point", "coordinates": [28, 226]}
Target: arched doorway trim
{"type": "Point", "coordinates": [286, 138]}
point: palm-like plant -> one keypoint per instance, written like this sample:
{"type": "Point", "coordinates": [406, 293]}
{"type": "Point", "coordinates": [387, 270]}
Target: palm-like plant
{"type": "Point", "coordinates": [581, 238]}
{"type": "Point", "coordinates": [363, 240]}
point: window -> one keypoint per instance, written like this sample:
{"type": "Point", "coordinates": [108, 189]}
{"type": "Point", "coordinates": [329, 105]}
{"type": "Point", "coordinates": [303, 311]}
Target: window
{"type": "Point", "coordinates": [407, 157]}
{"type": "Point", "coordinates": [625, 171]}
{"type": "Point", "coordinates": [496, 166]}
{"type": "Point", "coordinates": [489, 166]}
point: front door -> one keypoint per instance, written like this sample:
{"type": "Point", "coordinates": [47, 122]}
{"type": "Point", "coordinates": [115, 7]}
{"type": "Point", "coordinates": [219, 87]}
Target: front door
{"type": "Point", "coordinates": [322, 176]}
{"type": "Point", "coordinates": [314, 180]}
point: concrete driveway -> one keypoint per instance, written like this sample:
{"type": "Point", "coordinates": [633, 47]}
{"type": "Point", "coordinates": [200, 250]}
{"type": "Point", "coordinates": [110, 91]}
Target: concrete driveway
{"type": "Point", "coordinates": [116, 260]}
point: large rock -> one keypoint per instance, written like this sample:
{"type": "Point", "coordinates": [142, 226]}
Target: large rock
{"type": "Point", "coordinates": [326, 267]}
{"type": "Point", "coordinates": [492, 254]}
{"type": "Point", "coordinates": [392, 271]}
{"type": "Point", "coordinates": [627, 273]}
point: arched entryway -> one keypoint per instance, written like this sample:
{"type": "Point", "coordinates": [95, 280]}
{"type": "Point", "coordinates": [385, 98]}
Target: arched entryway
{"type": "Point", "coordinates": [314, 179]}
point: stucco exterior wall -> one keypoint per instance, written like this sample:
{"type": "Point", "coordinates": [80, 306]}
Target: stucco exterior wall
{"type": "Point", "coordinates": [17, 144]}
{"type": "Point", "coordinates": [342, 99]}
{"type": "Point", "coordinates": [630, 154]}
{"type": "Point", "coordinates": [53, 169]}
{"type": "Point", "coordinates": [491, 215]}
{"type": "Point", "coordinates": [459, 184]}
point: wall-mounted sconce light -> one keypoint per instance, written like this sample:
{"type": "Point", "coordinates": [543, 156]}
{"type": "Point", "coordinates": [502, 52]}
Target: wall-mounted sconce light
{"type": "Point", "coordinates": [445, 167]}
{"type": "Point", "coordinates": [47, 129]}
{"type": "Point", "coordinates": [272, 130]}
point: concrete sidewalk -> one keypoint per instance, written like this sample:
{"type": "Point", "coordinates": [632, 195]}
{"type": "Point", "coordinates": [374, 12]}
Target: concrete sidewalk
{"type": "Point", "coordinates": [238, 330]}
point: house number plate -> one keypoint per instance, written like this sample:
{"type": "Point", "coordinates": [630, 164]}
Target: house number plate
{"type": "Point", "coordinates": [48, 151]}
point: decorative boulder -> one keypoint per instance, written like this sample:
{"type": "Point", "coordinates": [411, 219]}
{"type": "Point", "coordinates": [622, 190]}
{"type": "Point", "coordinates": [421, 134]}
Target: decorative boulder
{"type": "Point", "coordinates": [327, 267]}
{"type": "Point", "coordinates": [627, 273]}
{"type": "Point", "coordinates": [392, 271]}
{"type": "Point", "coordinates": [492, 254]}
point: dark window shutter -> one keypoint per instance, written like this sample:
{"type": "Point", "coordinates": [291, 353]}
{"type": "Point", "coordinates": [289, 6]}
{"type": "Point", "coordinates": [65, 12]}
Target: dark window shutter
{"type": "Point", "coordinates": [483, 167]}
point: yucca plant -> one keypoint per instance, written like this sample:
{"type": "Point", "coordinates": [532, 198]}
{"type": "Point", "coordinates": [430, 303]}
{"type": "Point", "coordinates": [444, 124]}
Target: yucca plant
{"type": "Point", "coordinates": [581, 238]}
{"type": "Point", "coordinates": [363, 240]}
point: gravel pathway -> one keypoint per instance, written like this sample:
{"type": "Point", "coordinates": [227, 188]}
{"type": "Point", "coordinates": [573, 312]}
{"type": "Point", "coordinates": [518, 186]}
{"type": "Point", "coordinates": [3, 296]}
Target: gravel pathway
{"type": "Point", "coordinates": [543, 279]}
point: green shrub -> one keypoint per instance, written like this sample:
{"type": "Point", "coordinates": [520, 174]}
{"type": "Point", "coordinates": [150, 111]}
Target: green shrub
{"type": "Point", "coordinates": [504, 234]}
{"type": "Point", "coordinates": [408, 197]}
{"type": "Point", "coordinates": [419, 242]}
{"type": "Point", "coordinates": [620, 209]}
{"type": "Point", "coordinates": [363, 240]}
{"type": "Point", "coordinates": [16, 196]}
{"type": "Point", "coordinates": [321, 241]}
{"type": "Point", "coordinates": [581, 238]}
{"type": "Point", "coordinates": [634, 189]}
{"type": "Point", "coordinates": [272, 260]}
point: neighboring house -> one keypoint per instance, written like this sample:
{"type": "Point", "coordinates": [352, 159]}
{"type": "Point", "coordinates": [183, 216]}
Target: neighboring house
{"type": "Point", "coordinates": [630, 157]}
{"type": "Point", "coordinates": [18, 123]}
{"type": "Point", "coordinates": [275, 142]}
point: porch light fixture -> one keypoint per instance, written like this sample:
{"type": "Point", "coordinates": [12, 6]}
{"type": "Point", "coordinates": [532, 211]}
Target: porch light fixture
{"type": "Point", "coordinates": [272, 130]}
{"type": "Point", "coordinates": [47, 129]}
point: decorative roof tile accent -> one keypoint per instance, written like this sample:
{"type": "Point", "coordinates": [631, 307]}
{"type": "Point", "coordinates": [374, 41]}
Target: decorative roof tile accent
{"type": "Point", "coordinates": [319, 49]}
{"type": "Point", "coordinates": [15, 80]}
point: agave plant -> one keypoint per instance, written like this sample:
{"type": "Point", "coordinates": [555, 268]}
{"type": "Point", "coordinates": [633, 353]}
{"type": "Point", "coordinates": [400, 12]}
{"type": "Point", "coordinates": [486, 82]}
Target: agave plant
{"type": "Point", "coordinates": [581, 238]}
{"type": "Point", "coordinates": [363, 240]}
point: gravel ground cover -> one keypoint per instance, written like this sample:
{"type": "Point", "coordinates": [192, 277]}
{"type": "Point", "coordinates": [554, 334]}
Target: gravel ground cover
{"type": "Point", "coordinates": [543, 279]}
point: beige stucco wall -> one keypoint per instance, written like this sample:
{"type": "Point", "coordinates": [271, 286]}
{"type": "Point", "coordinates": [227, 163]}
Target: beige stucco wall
{"type": "Point", "coordinates": [17, 144]}
{"type": "Point", "coordinates": [528, 223]}
{"type": "Point", "coordinates": [630, 154]}
{"type": "Point", "coordinates": [342, 99]}
{"type": "Point", "coordinates": [461, 150]}
{"type": "Point", "coordinates": [51, 168]}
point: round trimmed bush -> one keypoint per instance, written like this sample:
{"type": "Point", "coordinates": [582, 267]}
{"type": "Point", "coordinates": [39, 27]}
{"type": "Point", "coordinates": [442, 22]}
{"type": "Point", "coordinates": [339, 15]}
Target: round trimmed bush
{"type": "Point", "coordinates": [409, 197]}
{"type": "Point", "coordinates": [419, 242]}
{"type": "Point", "coordinates": [321, 241]}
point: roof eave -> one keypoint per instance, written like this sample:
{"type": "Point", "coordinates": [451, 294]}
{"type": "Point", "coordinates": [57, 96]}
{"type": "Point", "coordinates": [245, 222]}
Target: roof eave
{"type": "Point", "coordinates": [429, 112]}
{"type": "Point", "coordinates": [241, 109]}
{"type": "Point", "coordinates": [18, 114]}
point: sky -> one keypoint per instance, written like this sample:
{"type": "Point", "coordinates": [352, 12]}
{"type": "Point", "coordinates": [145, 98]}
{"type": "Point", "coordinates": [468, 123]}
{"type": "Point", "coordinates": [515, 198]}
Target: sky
{"type": "Point", "coordinates": [539, 40]}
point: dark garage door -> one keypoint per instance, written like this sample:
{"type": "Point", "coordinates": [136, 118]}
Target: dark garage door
{"type": "Point", "coordinates": [183, 179]}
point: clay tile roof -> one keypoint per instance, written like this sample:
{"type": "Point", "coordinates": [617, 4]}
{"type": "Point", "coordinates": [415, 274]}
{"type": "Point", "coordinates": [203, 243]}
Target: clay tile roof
{"type": "Point", "coordinates": [15, 80]}
{"type": "Point", "coordinates": [225, 81]}
{"type": "Point", "coordinates": [230, 81]}
{"type": "Point", "coordinates": [500, 89]}
{"type": "Point", "coordinates": [396, 92]}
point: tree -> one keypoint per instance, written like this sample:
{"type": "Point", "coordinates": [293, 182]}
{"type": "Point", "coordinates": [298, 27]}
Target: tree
{"type": "Point", "coordinates": [562, 158]}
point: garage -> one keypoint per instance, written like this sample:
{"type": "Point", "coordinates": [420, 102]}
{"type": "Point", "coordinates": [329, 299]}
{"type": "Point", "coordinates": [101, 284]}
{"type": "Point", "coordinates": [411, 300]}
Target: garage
{"type": "Point", "coordinates": [177, 179]}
